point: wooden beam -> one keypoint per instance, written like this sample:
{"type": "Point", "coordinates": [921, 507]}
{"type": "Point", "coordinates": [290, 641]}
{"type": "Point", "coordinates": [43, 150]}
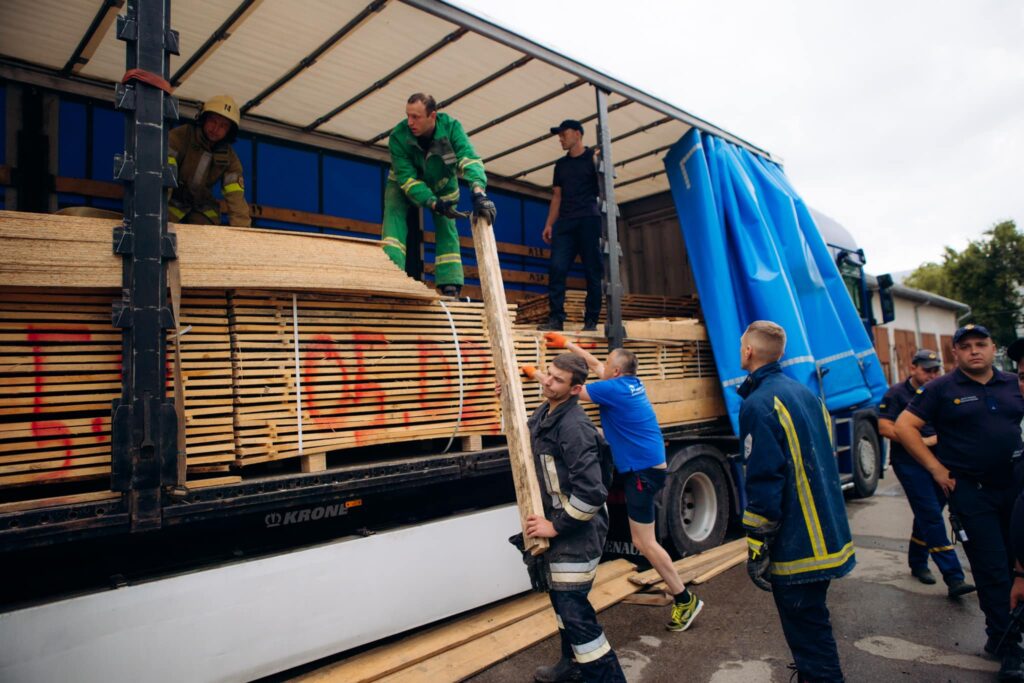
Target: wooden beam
{"type": "Point", "coordinates": [499, 329]}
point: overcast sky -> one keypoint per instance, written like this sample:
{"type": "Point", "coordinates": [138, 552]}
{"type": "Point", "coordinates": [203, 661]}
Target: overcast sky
{"type": "Point", "coordinates": [903, 120]}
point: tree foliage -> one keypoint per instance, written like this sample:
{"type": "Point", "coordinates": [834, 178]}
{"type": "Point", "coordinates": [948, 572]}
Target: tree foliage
{"type": "Point", "coordinates": [988, 276]}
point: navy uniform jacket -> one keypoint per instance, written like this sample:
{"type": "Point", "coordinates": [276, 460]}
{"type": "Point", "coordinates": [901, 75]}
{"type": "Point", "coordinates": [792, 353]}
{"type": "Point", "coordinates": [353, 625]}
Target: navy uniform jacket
{"type": "Point", "coordinates": [893, 403]}
{"type": "Point", "coordinates": [792, 479]}
{"type": "Point", "coordinates": [978, 424]}
{"type": "Point", "coordinates": [566, 452]}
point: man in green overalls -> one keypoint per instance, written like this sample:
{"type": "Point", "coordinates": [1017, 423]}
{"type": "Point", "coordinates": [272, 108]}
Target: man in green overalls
{"type": "Point", "coordinates": [429, 153]}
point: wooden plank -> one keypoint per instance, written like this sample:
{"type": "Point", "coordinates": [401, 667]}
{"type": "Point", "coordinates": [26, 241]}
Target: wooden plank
{"type": "Point", "coordinates": [651, 577]}
{"type": "Point", "coordinates": [725, 565]}
{"type": "Point", "coordinates": [683, 330]}
{"type": "Point", "coordinates": [656, 599]}
{"type": "Point", "coordinates": [37, 503]}
{"type": "Point", "coordinates": [513, 409]}
{"type": "Point", "coordinates": [410, 651]}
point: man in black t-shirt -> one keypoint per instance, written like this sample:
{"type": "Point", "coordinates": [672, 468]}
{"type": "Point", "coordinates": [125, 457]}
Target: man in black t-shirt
{"type": "Point", "coordinates": [574, 225]}
{"type": "Point", "coordinates": [928, 536]}
{"type": "Point", "coordinates": [976, 411]}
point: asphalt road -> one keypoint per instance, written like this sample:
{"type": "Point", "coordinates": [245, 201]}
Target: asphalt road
{"type": "Point", "coordinates": [889, 627]}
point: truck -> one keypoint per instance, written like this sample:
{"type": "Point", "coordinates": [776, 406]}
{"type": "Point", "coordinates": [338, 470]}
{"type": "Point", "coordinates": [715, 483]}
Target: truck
{"type": "Point", "coordinates": [321, 90]}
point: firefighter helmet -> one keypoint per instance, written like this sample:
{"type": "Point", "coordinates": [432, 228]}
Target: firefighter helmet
{"type": "Point", "coordinates": [224, 105]}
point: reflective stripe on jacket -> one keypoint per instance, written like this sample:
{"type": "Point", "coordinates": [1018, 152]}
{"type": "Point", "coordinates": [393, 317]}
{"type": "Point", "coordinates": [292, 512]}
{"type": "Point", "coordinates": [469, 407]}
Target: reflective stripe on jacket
{"type": "Point", "coordinates": [792, 478]}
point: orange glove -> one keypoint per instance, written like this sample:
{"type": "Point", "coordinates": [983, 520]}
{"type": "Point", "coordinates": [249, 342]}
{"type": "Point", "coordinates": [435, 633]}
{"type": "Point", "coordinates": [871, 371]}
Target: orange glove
{"type": "Point", "coordinates": [529, 371]}
{"type": "Point", "coordinates": [556, 340]}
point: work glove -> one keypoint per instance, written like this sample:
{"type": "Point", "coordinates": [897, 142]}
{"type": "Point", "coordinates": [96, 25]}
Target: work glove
{"type": "Point", "coordinates": [484, 208]}
{"type": "Point", "coordinates": [556, 340]}
{"type": "Point", "coordinates": [447, 209]}
{"type": "Point", "coordinates": [529, 371]}
{"type": "Point", "coordinates": [758, 562]}
{"type": "Point", "coordinates": [536, 565]}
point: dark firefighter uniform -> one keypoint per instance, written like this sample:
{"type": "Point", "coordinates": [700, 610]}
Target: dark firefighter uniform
{"type": "Point", "coordinates": [417, 178]}
{"type": "Point", "coordinates": [928, 535]}
{"type": "Point", "coordinates": [979, 432]}
{"type": "Point", "coordinates": [795, 511]}
{"type": "Point", "coordinates": [566, 454]}
{"type": "Point", "coordinates": [201, 165]}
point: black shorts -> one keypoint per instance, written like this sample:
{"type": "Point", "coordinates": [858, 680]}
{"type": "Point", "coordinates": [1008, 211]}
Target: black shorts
{"type": "Point", "coordinates": [641, 488]}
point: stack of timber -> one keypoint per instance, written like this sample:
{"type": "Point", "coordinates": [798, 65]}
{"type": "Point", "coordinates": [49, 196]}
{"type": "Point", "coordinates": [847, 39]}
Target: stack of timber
{"type": "Point", "coordinates": [634, 307]}
{"type": "Point", "coordinates": [675, 363]}
{"type": "Point", "coordinates": [467, 645]}
{"type": "Point", "coordinates": [60, 369]}
{"type": "Point", "coordinates": [360, 371]}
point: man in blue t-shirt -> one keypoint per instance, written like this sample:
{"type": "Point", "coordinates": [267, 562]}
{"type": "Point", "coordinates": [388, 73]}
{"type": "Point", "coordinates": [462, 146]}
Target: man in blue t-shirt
{"type": "Point", "coordinates": [638, 449]}
{"type": "Point", "coordinates": [574, 225]}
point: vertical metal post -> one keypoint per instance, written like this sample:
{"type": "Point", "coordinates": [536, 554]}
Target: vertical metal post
{"type": "Point", "coordinates": [610, 248]}
{"type": "Point", "coordinates": [144, 456]}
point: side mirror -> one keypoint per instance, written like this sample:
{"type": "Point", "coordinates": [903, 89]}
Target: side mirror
{"type": "Point", "coordinates": [885, 300]}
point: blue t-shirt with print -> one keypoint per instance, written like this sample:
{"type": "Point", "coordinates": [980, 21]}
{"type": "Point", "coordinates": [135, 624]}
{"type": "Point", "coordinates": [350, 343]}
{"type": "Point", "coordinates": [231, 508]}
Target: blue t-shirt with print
{"type": "Point", "coordinates": [629, 423]}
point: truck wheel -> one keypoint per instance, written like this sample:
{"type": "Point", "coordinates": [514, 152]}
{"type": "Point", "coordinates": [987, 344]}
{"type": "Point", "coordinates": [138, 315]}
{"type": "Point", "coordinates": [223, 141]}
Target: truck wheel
{"type": "Point", "coordinates": [698, 506]}
{"type": "Point", "coordinates": [867, 459]}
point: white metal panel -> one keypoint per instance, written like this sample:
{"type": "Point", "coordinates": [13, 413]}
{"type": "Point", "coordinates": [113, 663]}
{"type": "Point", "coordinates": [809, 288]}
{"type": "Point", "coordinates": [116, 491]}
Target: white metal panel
{"type": "Point", "coordinates": [446, 73]}
{"type": "Point", "coordinates": [194, 20]}
{"type": "Point", "coordinates": [389, 39]}
{"type": "Point", "coordinates": [255, 618]}
{"type": "Point", "coordinates": [44, 31]}
{"type": "Point", "coordinates": [642, 189]}
{"type": "Point", "coordinates": [266, 46]}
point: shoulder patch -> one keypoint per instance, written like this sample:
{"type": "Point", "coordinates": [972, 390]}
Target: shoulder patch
{"type": "Point", "coordinates": [748, 446]}
{"type": "Point", "coordinates": [920, 390]}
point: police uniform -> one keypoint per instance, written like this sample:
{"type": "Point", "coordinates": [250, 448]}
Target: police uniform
{"type": "Point", "coordinates": [201, 165]}
{"type": "Point", "coordinates": [795, 502]}
{"type": "Point", "coordinates": [566, 454]}
{"type": "Point", "coordinates": [928, 535]}
{"type": "Point", "coordinates": [420, 176]}
{"type": "Point", "coordinates": [978, 427]}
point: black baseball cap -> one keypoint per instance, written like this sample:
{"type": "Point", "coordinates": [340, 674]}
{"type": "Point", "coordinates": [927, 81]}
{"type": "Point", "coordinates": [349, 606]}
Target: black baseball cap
{"type": "Point", "coordinates": [567, 124]}
{"type": "Point", "coordinates": [927, 359]}
{"type": "Point", "coordinates": [1016, 350]}
{"type": "Point", "coordinates": [979, 330]}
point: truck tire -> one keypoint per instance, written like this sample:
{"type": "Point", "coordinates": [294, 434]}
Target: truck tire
{"type": "Point", "coordinates": [867, 459]}
{"type": "Point", "coordinates": [698, 506]}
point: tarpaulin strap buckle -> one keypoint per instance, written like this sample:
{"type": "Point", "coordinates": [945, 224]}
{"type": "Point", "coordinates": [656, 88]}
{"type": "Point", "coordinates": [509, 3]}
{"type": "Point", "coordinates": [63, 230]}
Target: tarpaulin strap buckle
{"type": "Point", "coordinates": [458, 357]}
{"type": "Point", "coordinates": [149, 78]}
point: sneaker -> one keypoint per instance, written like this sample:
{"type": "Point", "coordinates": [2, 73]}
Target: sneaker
{"type": "Point", "coordinates": [564, 670]}
{"type": "Point", "coordinates": [551, 326]}
{"type": "Point", "coordinates": [683, 614]}
{"type": "Point", "coordinates": [924, 575]}
{"type": "Point", "coordinates": [1011, 668]}
{"type": "Point", "coordinates": [961, 587]}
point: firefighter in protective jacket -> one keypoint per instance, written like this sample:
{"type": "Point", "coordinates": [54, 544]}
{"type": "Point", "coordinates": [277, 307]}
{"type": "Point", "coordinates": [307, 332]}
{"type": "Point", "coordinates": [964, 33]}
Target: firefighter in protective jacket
{"type": "Point", "coordinates": [798, 537]}
{"type": "Point", "coordinates": [201, 152]}
{"type": "Point", "coordinates": [567, 455]}
{"type": "Point", "coordinates": [429, 153]}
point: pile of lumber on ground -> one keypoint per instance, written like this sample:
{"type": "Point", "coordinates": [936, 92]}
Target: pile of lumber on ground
{"type": "Point", "coordinates": [467, 645]}
{"type": "Point", "coordinates": [634, 306]}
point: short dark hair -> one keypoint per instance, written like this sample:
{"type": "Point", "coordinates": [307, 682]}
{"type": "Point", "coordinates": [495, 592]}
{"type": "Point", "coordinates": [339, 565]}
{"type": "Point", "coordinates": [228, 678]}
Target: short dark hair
{"type": "Point", "coordinates": [625, 360]}
{"type": "Point", "coordinates": [428, 101]}
{"type": "Point", "coordinates": [572, 363]}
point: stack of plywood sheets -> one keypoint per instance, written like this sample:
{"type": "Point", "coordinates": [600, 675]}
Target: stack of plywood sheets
{"type": "Point", "coordinates": [680, 375]}
{"type": "Point", "coordinates": [60, 369]}
{"type": "Point", "coordinates": [634, 306]}
{"type": "Point", "coordinates": [359, 371]}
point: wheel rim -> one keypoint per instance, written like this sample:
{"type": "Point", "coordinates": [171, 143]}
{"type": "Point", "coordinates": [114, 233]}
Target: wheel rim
{"type": "Point", "coordinates": [700, 506]}
{"type": "Point", "coordinates": [866, 457]}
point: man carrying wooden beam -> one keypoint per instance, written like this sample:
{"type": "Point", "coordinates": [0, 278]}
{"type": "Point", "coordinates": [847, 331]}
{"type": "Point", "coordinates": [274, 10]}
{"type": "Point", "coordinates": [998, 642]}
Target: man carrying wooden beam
{"type": "Point", "coordinates": [566, 450]}
{"type": "Point", "coordinates": [201, 151]}
{"type": "Point", "coordinates": [429, 153]}
{"type": "Point", "coordinates": [638, 449]}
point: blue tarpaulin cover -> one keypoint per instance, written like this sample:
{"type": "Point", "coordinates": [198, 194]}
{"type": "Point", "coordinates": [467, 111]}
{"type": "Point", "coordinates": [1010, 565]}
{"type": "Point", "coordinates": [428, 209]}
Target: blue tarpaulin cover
{"type": "Point", "coordinates": [756, 254]}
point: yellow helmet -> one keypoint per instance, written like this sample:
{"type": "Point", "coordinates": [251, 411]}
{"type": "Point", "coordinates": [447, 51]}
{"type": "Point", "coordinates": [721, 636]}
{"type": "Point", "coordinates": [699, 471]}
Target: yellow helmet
{"type": "Point", "coordinates": [224, 105]}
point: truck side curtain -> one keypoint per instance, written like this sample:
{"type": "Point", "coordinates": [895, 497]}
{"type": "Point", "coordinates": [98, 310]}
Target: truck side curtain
{"type": "Point", "coordinates": [756, 253]}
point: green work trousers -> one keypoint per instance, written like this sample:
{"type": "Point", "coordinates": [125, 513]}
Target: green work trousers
{"type": "Point", "coordinates": [447, 254]}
